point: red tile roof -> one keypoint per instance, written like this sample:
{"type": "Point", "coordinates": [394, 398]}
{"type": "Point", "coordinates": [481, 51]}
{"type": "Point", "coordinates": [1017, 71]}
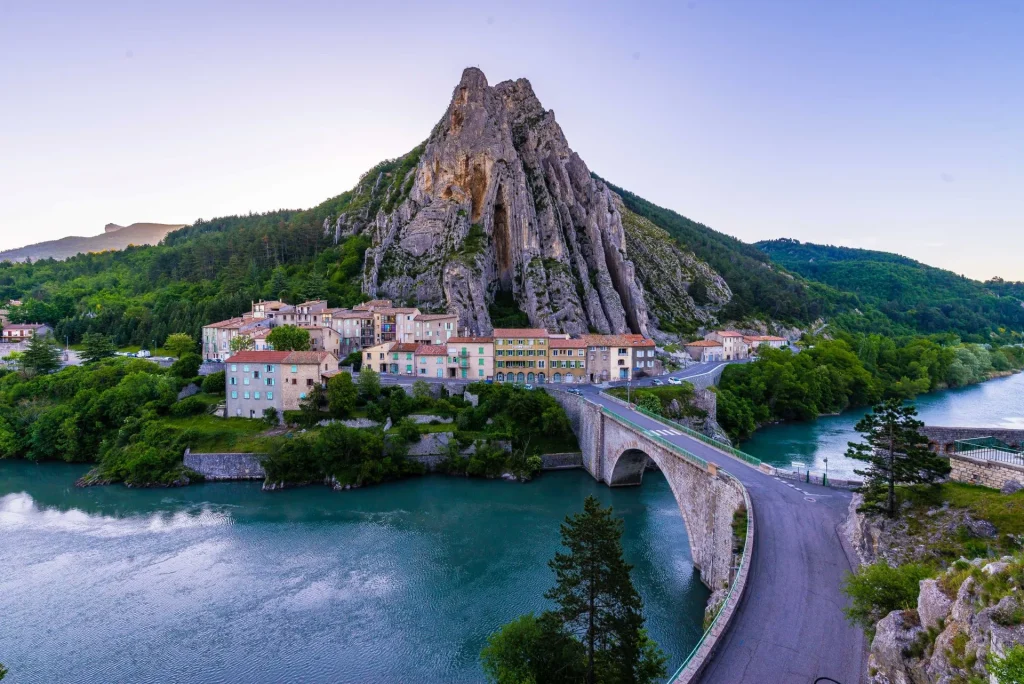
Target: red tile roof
{"type": "Point", "coordinates": [728, 333]}
{"type": "Point", "coordinates": [250, 356]}
{"type": "Point", "coordinates": [561, 343]}
{"type": "Point", "coordinates": [24, 326]}
{"type": "Point", "coordinates": [301, 358]}
{"type": "Point", "coordinates": [405, 347]}
{"type": "Point", "coordinates": [703, 343]}
{"type": "Point", "coordinates": [520, 332]}
{"type": "Point", "coordinates": [236, 322]}
{"type": "Point", "coordinates": [470, 340]}
{"type": "Point", "coordinates": [431, 350]}
{"type": "Point", "coordinates": [434, 317]}
{"type": "Point", "coordinates": [372, 304]}
{"type": "Point", "coordinates": [627, 340]}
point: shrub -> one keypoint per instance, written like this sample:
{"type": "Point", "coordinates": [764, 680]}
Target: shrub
{"type": "Point", "coordinates": [190, 406]}
{"type": "Point", "coordinates": [270, 416]}
{"type": "Point", "coordinates": [408, 430]}
{"type": "Point", "coordinates": [487, 461]}
{"type": "Point", "coordinates": [214, 383]}
{"type": "Point", "coordinates": [187, 366]}
{"type": "Point", "coordinates": [877, 590]}
{"type": "Point", "coordinates": [1008, 669]}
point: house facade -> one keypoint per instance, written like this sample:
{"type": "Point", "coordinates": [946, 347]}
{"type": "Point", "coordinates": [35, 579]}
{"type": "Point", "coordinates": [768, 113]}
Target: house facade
{"type": "Point", "coordinates": [611, 358]}
{"type": "Point", "coordinates": [471, 358]}
{"type": "Point", "coordinates": [734, 347]}
{"type": "Point", "coordinates": [755, 342]}
{"type": "Point", "coordinates": [519, 352]}
{"type": "Point", "coordinates": [705, 351]}
{"type": "Point", "coordinates": [435, 328]}
{"type": "Point", "coordinates": [22, 332]}
{"type": "Point", "coordinates": [431, 360]}
{"type": "Point", "coordinates": [258, 380]}
{"type": "Point", "coordinates": [567, 361]}
{"type": "Point", "coordinates": [217, 336]}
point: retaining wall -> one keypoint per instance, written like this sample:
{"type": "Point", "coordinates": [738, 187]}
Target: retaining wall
{"type": "Point", "coordinates": [983, 472]}
{"type": "Point", "coordinates": [225, 466]}
{"type": "Point", "coordinates": [562, 461]}
{"type": "Point", "coordinates": [942, 438]}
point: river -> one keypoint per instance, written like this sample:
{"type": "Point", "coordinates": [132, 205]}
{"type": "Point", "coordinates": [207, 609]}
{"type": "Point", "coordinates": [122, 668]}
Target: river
{"type": "Point", "coordinates": [996, 403]}
{"type": "Point", "coordinates": [222, 583]}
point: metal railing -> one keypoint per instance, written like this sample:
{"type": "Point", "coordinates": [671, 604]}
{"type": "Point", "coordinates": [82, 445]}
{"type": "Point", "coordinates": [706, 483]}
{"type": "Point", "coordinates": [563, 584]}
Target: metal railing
{"type": "Point", "coordinates": [693, 458]}
{"type": "Point", "coordinates": [989, 449]}
{"type": "Point", "coordinates": [710, 441]}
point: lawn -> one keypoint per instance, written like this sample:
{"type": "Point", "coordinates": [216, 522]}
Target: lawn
{"type": "Point", "coordinates": [232, 435]}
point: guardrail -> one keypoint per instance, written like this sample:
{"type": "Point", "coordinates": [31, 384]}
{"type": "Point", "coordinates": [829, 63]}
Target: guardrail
{"type": "Point", "coordinates": [694, 459]}
{"type": "Point", "coordinates": [710, 441]}
{"type": "Point", "coordinates": [701, 654]}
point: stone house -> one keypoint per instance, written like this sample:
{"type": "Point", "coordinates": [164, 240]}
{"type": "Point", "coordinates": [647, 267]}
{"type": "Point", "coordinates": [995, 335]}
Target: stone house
{"type": "Point", "coordinates": [258, 380]}
{"type": "Point", "coordinates": [754, 342]}
{"type": "Point", "coordinates": [22, 332]}
{"type": "Point", "coordinates": [733, 345]}
{"type": "Point", "coordinates": [376, 357]}
{"type": "Point", "coordinates": [401, 358]}
{"type": "Point", "coordinates": [301, 371]}
{"type": "Point", "coordinates": [619, 357]}
{"type": "Point", "coordinates": [323, 339]}
{"type": "Point", "coordinates": [567, 361]}
{"type": "Point", "coordinates": [705, 351]}
{"type": "Point", "coordinates": [431, 360]}
{"type": "Point", "coordinates": [354, 327]}
{"type": "Point", "coordinates": [273, 311]}
{"type": "Point", "coordinates": [310, 313]}
{"type": "Point", "coordinates": [471, 358]}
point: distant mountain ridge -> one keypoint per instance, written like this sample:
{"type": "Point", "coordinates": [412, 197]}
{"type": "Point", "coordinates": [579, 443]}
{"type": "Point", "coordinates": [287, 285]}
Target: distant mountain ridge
{"type": "Point", "coordinates": [924, 297]}
{"type": "Point", "coordinates": [114, 237]}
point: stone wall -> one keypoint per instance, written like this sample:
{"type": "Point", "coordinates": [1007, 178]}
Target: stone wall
{"type": "Point", "coordinates": [225, 466]}
{"type": "Point", "coordinates": [562, 461]}
{"type": "Point", "coordinates": [706, 380]}
{"type": "Point", "coordinates": [983, 472]}
{"type": "Point", "coordinates": [586, 422]}
{"type": "Point", "coordinates": [942, 438]}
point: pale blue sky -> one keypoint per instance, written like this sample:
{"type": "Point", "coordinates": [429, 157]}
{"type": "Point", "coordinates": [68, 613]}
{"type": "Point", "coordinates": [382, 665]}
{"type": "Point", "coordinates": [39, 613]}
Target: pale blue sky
{"type": "Point", "coordinates": [887, 125]}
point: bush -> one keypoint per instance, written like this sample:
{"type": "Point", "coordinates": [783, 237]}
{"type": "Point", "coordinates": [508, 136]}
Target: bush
{"type": "Point", "coordinates": [190, 406]}
{"type": "Point", "coordinates": [270, 416]}
{"type": "Point", "coordinates": [214, 383]}
{"type": "Point", "coordinates": [877, 590]}
{"type": "Point", "coordinates": [187, 366]}
{"type": "Point", "coordinates": [408, 430]}
{"type": "Point", "coordinates": [488, 461]}
{"type": "Point", "coordinates": [1008, 669]}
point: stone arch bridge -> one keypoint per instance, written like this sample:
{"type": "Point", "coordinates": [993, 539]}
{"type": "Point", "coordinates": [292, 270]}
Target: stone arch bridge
{"type": "Point", "coordinates": [617, 453]}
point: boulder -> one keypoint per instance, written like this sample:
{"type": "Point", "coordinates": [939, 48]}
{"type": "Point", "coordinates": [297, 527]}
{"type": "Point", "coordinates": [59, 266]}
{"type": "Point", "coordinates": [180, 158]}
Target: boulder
{"type": "Point", "coordinates": [933, 606]}
{"type": "Point", "coordinates": [1011, 486]}
{"type": "Point", "coordinates": [893, 635]}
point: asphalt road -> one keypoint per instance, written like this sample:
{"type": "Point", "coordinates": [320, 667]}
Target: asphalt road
{"type": "Point", "coordinates": [790, 626]}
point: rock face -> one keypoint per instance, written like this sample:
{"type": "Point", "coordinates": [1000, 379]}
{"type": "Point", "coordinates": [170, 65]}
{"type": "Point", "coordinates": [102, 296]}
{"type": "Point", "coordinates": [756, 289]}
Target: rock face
{"type": "Point", "coordinates": [496, 201]}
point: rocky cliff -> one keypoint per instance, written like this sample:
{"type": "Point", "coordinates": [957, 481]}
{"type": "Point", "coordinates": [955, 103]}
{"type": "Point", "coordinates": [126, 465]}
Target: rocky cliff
{"type": "Point", "coordinates": [495, 200]}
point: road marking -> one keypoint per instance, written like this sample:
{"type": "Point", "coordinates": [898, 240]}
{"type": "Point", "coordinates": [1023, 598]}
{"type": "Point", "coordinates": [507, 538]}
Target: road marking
{"type": "Point", "coordinates": [811, 499]}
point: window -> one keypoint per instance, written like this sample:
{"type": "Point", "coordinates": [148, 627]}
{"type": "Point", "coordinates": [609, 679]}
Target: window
{"type": "Point", "coordinates": [245, 395]}
{"type": "Point", "coordinates": [245, 369]}
{"type": "Point", "coordinates": [234, 395]}
{"type": "Point", "coordinates": [270, 396]}
{"type": "Point", "coordinates": [540, 364]}
{"type": "Point", "coordinates": [255, 395]}
{"type": "Point", "coordinates": [480, 362]}
{"type": "Point", "coordinates": [302, 396]}
{"type": "Point", "coordinates": [233, 380]}
{"type": "Point", "coordinates": [581, 352]}
{"type": "Point", "coordinates": [270, 369]}
{"type": "Point", "coordinates": [256, 374]}
{"type": "Point", "coordinates": [269, 382]}
{"type": "Point", "coordinates": [480, 373]}
{"type": "Point", "coordinates": [234, 368]}
{"type": "Point", "coordinates": [245, 381]}
{"type": "Point", "coordinates": [295, 369]}
{"type": "Point", "coordinates": [309, 382]}
{"type": "Point", "coordinates": [480, 350]}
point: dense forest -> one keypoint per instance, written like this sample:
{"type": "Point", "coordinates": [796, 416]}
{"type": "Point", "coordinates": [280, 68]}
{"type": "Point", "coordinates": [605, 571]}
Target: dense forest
{"type": "Point", "coordinates": [913, 296]}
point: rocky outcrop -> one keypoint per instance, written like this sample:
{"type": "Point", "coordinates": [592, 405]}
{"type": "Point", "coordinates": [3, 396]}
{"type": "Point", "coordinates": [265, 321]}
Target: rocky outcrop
{"type": "Point", "coordinates": [949, 639]}
{"type": "Point", "coordinates": [495, 200]}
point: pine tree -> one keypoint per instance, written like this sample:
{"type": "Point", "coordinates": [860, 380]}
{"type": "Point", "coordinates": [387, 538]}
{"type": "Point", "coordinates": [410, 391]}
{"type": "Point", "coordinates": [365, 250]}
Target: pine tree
{"type": "Point", "coordinates": [315, 286]}
{"type": "Point", "coordinates": [278, 283]}
{"type": "Point", "coordinates": [598, 602]}
{"type": "Point", "coordinates": [42, 356]}
{"type": "Point", "coordinates": [96, 346]}
{"type": "Point", "coordinates": [896, 453]}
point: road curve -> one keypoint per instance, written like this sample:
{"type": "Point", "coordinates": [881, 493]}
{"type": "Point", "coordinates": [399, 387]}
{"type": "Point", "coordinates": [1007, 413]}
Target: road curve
{"type": "Point", "coordinates": [790, 626]}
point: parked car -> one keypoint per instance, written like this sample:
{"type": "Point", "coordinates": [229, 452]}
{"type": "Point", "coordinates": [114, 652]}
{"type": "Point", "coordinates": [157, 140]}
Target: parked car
{"type": "Point", "coordinates": [575, 391]}
{"type": "Point", "coordinates": [675, 381]}
{"type": "Point", "coordinates": [528, 386]}
{"type": "Point", "coordinates": [658, 382]}
{"type": "Point", "coordinates": [144, 354]}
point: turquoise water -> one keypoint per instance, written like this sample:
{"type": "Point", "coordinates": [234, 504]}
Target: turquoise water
{"type": "Point", "coordinates": [223, 583]}
{"type": "Point", "coordinates": [996, 403]}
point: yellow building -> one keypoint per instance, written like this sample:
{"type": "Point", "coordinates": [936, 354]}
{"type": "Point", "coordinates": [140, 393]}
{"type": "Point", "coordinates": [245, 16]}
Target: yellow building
{"type": "Point", "coordinates": [520, 354]}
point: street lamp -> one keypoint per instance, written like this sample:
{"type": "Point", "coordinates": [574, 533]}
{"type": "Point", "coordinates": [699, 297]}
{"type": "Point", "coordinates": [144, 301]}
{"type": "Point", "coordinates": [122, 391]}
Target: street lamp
{"type": "Point", "coordinates": [824, 481]}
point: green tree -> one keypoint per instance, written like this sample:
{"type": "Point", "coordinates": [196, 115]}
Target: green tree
{"type": "Point", "coordinates": [41, 357]}
{"type": "Point", "coordinates": [241, 342]}
{"type": "Point", "coordinates": [1008, 669]}
{"type": "Point", "coordinates": [649, 402]}
{"type": "Point", "coordinates": [278, 283]}
{"type": "Point", "coordinates": [341, 395]}
{"type": "Point", "coordinates": [96, 346]}
{"type": "Point", "coordinates": [214, 383]}
{"type": "Point", "coordinates": [187, 366]}
{"type": "Point", "coordinates": [3, 671]}
{"type": "Point", "coordinates": [597, 601]}
{"type": "Point", "coordinates": [180, 343]}
{"type": "Point", "coordinates": [896, 453]}
{"type": "Point", "coordinates": [421, 392]}
{"type": "Point", "coordinates": [309, 407]}
{"type": "Point", "coordinates": [369, 384]}
{"type": "Point", "coordinates": [288, 338]}
{"type": "Point", "coordinates": [315, 286]}
{"type": "Point", "coordinates": [535, 650]}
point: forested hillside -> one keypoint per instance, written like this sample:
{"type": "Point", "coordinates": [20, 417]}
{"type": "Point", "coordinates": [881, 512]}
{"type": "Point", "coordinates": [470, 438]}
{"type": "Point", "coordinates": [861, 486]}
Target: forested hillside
{"type": "Point", "coordinates": [912, 295]}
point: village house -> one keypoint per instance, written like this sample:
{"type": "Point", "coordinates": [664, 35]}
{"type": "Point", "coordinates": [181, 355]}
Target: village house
{"type": "Point", "coordinates": [567, 361]}
{"type": "Point", "coordinates": [323, 339]}
{"type": "Point", "coordinates": [310, 313]}
{"type": "Point", "coordinates": [400, 358]}
{"type": "Point", "coordinates": [376, 357]}
{"type": "Point", "coordinates": [258, 380]}
{"type": "Point", "coordinates": [734, 347]}
{"type": "Point", "coordinates": [271, 310]}
{"type": "Point", "coordinates": [471, 358]}
{"type": "Point", "coordinates": [519, 353]}
{"type": "Point", "coordinates": [704, 351]}
{"type": "Point", "coordinates": [754, 342]}
{"type": "Point", "coordinates": [373, 304]}
{"type": "Point", "coordinates": [431, 360]}
{"type": "Point", "coordinates": [22, 332]}
{"type": "Point", "coordinates": [354, 327]}
{"type": "Point", "coordinates": [217, 336]}
{"type": "Point", "coordinates": [619, 357]}
{"type": "Point", "coordinates": [435, 328]}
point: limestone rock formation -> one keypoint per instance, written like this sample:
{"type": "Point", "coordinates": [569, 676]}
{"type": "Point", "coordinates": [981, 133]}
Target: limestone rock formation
{"type": "Point", "coordinates": [496, 201]}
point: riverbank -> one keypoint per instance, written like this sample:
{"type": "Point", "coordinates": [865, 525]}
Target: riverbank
{"type": "Point", "coordinates": [805, 445]}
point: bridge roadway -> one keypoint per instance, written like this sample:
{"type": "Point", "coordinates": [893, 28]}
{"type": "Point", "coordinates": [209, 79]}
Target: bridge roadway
{"type": "Point", "coordinates": [790, 626]}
